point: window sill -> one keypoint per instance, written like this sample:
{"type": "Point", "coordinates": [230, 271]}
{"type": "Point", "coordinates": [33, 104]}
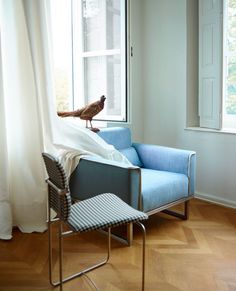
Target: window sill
{"type": "Point", "coordinates": [220, 131]}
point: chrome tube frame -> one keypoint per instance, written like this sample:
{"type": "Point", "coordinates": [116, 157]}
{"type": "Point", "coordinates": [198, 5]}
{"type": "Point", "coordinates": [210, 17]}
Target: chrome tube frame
{"type": "Point", "coordinates": [129, 237]}
{"type": "Point", "coordinates": [143, 253]}
{"type": "Point", "coordinates": [183, 215]}
{"type": "Point", "coordinates": [61, 235]}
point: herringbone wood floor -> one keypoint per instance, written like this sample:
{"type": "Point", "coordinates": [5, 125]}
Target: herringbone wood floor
{"type": "Point", "coordinates": [194, 255]}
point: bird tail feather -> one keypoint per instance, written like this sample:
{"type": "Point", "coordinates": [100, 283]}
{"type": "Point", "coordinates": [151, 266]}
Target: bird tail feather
{"type": "Point", "coordinates": [75, 113]}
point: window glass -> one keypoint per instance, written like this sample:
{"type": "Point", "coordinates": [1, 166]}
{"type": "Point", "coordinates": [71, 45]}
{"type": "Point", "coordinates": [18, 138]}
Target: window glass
{"type": "Point", "coordinates": [229, 101]}
{"type": "Point", "coordinates": [62, 58]}
{"type": "Point", "coordinates": [101, 23]}
{"type": "Point", "coordinates": [103, 74]}
{"type": "Point", "coordinates": [89, 40]}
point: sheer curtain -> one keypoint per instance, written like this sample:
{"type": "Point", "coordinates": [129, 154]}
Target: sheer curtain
{"type": "Point", "coordinates": [28, 120]}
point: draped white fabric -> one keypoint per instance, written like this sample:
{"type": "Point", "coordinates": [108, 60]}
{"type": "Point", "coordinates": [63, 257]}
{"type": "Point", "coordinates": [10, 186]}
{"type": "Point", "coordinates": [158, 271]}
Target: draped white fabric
{"type": "Point", "coordinates": [28, 120]}
{"type": "Point", "coordinates": [5, 210]}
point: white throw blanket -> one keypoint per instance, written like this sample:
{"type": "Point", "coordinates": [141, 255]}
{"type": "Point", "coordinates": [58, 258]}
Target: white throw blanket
{"type": "Point", "coordinates": [87, 143]}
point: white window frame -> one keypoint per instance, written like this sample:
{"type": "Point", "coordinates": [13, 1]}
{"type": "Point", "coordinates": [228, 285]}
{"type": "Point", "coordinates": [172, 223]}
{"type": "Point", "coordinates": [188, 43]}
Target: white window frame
{"type": "Point", "coordinates": [213, 72]}
{"type": "Point", "coordinates": [210, 63]}
{"type": "Point", "coordinates": [78, 57]}
{"type": "Point", "coordinates": [228, 120]}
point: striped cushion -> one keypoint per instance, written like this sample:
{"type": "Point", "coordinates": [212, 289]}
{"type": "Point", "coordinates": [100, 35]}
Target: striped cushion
{"type": "Point", "coordinates": [102, 211]}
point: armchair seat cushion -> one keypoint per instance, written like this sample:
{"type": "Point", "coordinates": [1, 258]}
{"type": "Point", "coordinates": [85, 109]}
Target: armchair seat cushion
{"type": "Point", "coordinates": [161, 187]}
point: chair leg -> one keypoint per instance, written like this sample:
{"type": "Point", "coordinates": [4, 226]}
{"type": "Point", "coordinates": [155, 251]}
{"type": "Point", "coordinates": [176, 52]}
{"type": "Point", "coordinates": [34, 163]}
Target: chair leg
{"type": "Point", "coordinates": [183, 216]}
{"type": "Point", "coordinates": [60, 231]}
{"type": "Point", "coordinates": [143, 253]}
{"type": "Point", "coordinates": [60, 234]}
{"type": "Point", "coordinates": [50, 243]}
{"type": "Point", "coordinates": [130, 234]}
{"type": "Point", "coordinates": [127, 240]}
{"type": "Point", "coordinates": [84, 271]}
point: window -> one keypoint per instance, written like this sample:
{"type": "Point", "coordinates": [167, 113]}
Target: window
{"type": "Point", "coordinates": [229, 101]}
{"type": "Point", "coordinates": [89, 51]}
{"type": "Point", "coordinates": [217, 64]}
{"type": "Point", "coordinates": [210, 63]}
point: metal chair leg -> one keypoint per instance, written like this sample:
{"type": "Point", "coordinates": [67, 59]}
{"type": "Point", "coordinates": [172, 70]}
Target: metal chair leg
{"type": "Point", "coordinates": [50, 251]}
{"type": "Point", "coordinates": [143, 253]}
{"type": "Point", "coordinates": [183, 215]}
{"type": "Point", "coordinates": [130, 234]}
{"type": "Point", "coordinates": [186, 210]}
{"type": "Point", "coordinates": [60, 231]}
{"type": "Point", "coordinates": [60, 234]}
{"type": "Point", "coordinates": [50, 242]}
{"type": "Point", "coordinates": [84, 271]}
{"type": "Point", "coordinates": [127, 240]}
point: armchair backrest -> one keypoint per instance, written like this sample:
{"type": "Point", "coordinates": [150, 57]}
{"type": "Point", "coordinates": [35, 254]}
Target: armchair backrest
{"type": "Point", "coordinates": [120, 138]}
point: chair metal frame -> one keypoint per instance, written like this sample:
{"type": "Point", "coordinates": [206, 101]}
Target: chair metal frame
{"type": "Point", "coordinates": [62, 234]}
{"type": "Point", "coordinates": [181, 215]}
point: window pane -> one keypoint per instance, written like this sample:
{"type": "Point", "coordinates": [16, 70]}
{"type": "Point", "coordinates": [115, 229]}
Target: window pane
{"type": "Point", "coordinates": [103, 77]}
{"type": "Point", "coordinates": [62, 52]}
{"type": "Point", "coordinates": [230, 96]}
{"type": "Point", "coordinates": [101, 24]}
{"type": "Point", "coordinates": [89, 43]}
{"type": "Point", "coordinates": [231, 87]}
{"type": "Point", "coordinates": [231, 23]}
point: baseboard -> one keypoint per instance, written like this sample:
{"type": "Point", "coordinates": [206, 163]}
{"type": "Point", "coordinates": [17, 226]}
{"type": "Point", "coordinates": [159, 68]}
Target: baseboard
{"type": "Point", "coordinates": [216, 200]}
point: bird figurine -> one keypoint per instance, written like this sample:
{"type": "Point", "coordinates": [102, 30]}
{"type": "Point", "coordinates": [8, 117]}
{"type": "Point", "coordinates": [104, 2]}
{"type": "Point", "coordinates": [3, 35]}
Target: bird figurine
{"type": "Point", "coordinates": [86, 113]}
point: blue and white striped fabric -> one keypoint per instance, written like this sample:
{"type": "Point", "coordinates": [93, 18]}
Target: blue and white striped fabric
{"type": "Point", "coordinates": [102, 211]}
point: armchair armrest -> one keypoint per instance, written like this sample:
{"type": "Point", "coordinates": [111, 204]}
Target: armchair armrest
{"type": "Point", "coordinates": [109, 162]}
{"type": "Point", "coordinates": [168, 159]}
{"type": "Point", "coordinates": [95, 175]}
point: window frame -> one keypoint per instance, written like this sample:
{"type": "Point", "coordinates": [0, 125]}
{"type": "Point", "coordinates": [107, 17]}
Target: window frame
{"type": "Point", "coordinates": [210, 64]}
{"type": "Point", "coordinates": [78, 62]}
{"type": "Point", "coordinates": [221, 75]}
{"type": "Point", "coordinates": [226, 54]}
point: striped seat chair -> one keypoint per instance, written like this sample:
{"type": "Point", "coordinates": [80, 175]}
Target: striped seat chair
{"type": "Point", "coordinates": [103, 211]}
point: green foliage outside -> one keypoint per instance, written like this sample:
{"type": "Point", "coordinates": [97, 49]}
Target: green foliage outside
{"type": "Point", "coordinates": [231, 80]}
{"type": "Point", "coordinates": [62, 90]}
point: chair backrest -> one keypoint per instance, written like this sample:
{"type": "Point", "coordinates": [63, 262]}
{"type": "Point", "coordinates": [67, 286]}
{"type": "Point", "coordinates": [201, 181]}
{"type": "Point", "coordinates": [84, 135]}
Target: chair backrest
{"type": "Point", "coordinates": [58, 190]}
{"type": "Point", "coordinates": [120, 138]}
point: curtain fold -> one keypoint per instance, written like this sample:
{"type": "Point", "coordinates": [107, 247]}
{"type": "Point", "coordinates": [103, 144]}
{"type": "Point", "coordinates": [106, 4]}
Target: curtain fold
{"type": "Point", "coordinates": [29, 124]}
{"type": "Point", "coordinates": [26, 188]}
{"type": "Point", "coordinates": [5, 208]}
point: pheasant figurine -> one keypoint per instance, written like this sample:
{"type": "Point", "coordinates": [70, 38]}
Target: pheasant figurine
{"type": "Point", "coordinates": [86, 113]}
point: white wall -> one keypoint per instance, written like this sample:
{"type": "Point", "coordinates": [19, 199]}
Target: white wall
{"type": "Point", "coordinates": [164, 54]}
{"type": "Point", "coordinates": [135, 71]}
{"type": "Point", "coordinates": [167, 82]}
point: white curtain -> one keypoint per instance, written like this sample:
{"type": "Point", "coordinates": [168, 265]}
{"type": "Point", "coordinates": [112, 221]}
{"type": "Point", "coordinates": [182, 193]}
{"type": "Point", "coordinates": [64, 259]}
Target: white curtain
{"type": "Point", "coordinates": [5, 210]}
{"type": "Point", "coordinates": [28, 120]}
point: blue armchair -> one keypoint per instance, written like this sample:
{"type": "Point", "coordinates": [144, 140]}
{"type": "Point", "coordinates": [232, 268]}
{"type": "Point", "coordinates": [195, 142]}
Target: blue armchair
{"type": "Point", "coordinates": [159, 177]}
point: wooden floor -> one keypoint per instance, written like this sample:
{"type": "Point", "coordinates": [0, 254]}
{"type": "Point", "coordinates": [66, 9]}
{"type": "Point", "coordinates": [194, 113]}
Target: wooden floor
{"type": "Point", "coordinates": [194, 255]}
